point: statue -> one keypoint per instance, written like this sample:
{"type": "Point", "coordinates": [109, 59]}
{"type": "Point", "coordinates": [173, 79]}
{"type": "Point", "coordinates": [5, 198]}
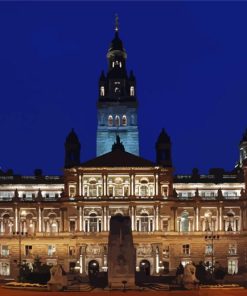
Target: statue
{"type": "Point", "coordinates": [190, 281]}
{"type": "Point", "coordinates": [58, 280]}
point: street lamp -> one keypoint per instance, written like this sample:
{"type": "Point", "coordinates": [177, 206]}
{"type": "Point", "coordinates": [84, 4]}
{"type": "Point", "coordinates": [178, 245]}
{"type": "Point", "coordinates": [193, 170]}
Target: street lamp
{"type": "Point", "coordinates": [212, 237]}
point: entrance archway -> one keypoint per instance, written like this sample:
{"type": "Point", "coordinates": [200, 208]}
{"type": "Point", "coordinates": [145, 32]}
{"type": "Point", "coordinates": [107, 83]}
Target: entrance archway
{"type": "Point", "coordinates": [93, 269]}
{"type": "Point", "coordinates": [145, 267]}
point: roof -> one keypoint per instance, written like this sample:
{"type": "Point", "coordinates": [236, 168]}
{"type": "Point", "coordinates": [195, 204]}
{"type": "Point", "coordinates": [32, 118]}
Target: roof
{"type": "Point", "coordinates": [118, 158]}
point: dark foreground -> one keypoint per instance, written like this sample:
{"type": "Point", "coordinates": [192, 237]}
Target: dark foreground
{"type": "Point", "coordinates": [203, 292]}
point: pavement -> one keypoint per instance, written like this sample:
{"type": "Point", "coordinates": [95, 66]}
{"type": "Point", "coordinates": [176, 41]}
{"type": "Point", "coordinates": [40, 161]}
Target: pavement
{"type": "Point", "coordinates": [200, 292]}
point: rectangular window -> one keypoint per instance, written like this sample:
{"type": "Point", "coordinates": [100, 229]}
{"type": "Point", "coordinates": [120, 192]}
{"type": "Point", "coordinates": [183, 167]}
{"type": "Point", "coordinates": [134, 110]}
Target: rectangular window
{"type": "Point", "coordinates": [51, 250]}
{"type": "Point", "coordinates": [232, 266]}
{"type": "Point", "coordinates": [232, 249]}
{"type": "Point", "coordinates": [71, 251]}
{"type": "Point", "coordinates": [72, 225]}
{"type": "Point", "coordinates": [208, 249]}
{"type": "Point", "coordinates": [4, 268]}
{"type": "Point", "coordinates": [186, 249]}
{"type": "Point", "coordinates": [5, 251]}
{"type": "Point", "coordinates": [165, 225]}
{"type": "Point", "coordinates": [28, 250]}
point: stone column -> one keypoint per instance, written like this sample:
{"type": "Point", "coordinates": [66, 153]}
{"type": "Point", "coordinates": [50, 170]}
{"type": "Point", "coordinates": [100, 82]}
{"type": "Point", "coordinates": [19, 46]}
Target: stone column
{"type": "Point", "coordinates": [65, 219]}
{"type": "Point", "coordinates": [132, 219]}
{"type": "Point", "coordinates": [220, 218]}
{"type": "Point", "coordinates": [156, 185]}
{"type": "Point", "coordinates": [240, 220]}
{"type": "Point", "coordinates": [80, 185]}
{"type": "Point", "coordinates": [107, 218]}
{"type": "Point", "coordinates": [157, 218]}
{"type": "Point", "coordinates": [39, 219]}
{"type": "Point", "coordinates": [174, 209]}
{"type": "Point", "coordinates": [80, 219]}
{"type": "Point", "coordinates": [197, 219]}
{"type": "Point", "coordinates": [17, 222]}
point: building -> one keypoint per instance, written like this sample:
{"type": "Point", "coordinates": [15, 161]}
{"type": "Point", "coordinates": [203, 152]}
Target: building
{"type": "Point", "coordinates": [175, 218]}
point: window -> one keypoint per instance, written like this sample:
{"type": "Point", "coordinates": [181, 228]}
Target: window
{"type": "Point", "coordinates": [110, 120]}
{"type": "Point", "coordinates": [117, 120]}
{"type": "Point", "coordinates": [72, 225]}
{"type": "Point", "coordinates": [232, 249]}
{"type": "Point", "coordinates": [185, 221]}
{"type": "Point", "coordinates": [102, 91]}
{"type": "Point", "coordinates": [71, 251]}
{"type": "Point", "coordinates": [5, 251]}
{"type": "Point", "coordinates": [51, 250]}
{"type": "Point", "coordinates": [143, 190]}
{"type": "Point", "coordinates": [71, 191]}
{"type": "Point", "coordinates": [28, 250]}
{"type": "Point", "coordinates": [4, 268]}
{"type": "Point", "coordinates": [165, 225]}
{"type": "Point", "coordinates": [208, 249]}
{"type": "Point", "coordinates": [132, 91]}
{"type": "Point", "coordinates": [186, 249]}
{"type": "Point", "coordinates": [144, 222]}
{"type": "Point", "coordinates": [124, 120]}
{"type": "Point", "coordinates": [93, 223]}
{"type": "Point", "coordinates": [92, 188]}
{"type": "Point", "coordinates": [232, 266]}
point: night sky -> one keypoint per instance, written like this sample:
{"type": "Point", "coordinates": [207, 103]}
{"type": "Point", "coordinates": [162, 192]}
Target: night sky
{"type": "Point", "coordinates": [189, 59]}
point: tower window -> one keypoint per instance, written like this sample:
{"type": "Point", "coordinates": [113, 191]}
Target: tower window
{"type": "Point", "coordinates": [113, 64]}
{"type": "Point", "coordinates": [117, 121]}
{"type": "Point", "coordinates": [124, 120]}
{"type": "Point", "coordinates": [110, 120]}
{"type": "Point", "coordinates": [102, 91]}
{"type": "Point", "coordinates": [132, 91]}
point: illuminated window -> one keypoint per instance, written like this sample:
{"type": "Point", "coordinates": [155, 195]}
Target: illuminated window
{"type": "Point", "coordinates": [92, 188]}
{"type": "Point", "coordinates": [143, 190]}
{"type": "Point", "coordinates": [144, 222]}
{"type": "Point", "coordinates": [102, 91]}
{"type": "Point", "coordinates": [110, 120]}
{"type": "Point", "coordinates": [208, 249]}
{"type": "Point", "coordinates": [4, 268]}
{"type": "Point", "coordinates": [232, 266]}
{"type": "Point", "coordinates": [28, 250]}
{"type": "Point", "coordinates": [71, 191]}
{"type": "Point", "coordinates": [117, 121]}
{"type": "Point", "coordinates": [186, 249]}
{"type": "Point", "coordinates": [185, 221]}
{"type": "Point", "coordinates": [132, 91]}
{"type": "Point", "coordinates": [93, 223]}
{"type": "Point", "coordinates": [232, 249]}
{"type": "Point", "coordinates": [51, 250]}
{"type": "Point", "coordinates": [124, 120]}
{"type": "Point", "coordinates": [4, 251]}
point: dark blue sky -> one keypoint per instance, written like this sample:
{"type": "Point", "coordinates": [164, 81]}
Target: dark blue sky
{"type": "Point", "coordinates": [190, 61]}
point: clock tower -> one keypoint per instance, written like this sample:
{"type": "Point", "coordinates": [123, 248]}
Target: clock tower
{"type": "Point", "coordinates": [117, 103]}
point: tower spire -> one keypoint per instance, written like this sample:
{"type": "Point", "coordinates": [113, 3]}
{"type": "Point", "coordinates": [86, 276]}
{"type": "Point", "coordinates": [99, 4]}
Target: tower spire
{"type": "Point", "coordinates": [116, 23]}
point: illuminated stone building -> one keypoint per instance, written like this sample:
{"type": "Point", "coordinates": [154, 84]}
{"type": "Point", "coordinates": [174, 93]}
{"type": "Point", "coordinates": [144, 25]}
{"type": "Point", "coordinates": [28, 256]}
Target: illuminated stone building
{"type": "Point", "coordinates": [65, 219]}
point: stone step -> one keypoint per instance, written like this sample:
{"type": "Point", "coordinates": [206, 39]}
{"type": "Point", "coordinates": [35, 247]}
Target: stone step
{"type": "Point", "coordinates": [79, 288]}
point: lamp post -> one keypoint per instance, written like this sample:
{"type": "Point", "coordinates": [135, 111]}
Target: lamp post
{"type": "Point", "coordinates": [212, 237]}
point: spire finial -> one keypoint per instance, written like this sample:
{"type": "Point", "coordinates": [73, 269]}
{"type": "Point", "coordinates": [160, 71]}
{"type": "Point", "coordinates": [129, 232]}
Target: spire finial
{"type": "Point", "coordinates": [116, 23]}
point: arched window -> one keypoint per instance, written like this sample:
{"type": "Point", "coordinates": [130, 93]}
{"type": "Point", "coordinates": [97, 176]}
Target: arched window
{"type": "Point", "coordinates": [92, 188]}
{"type": "Point", "coordinates": [110, 120]}
{"type": "Point", "coordinates": [124, 120]}
{"type": "Point", "coordinates": [144, 222]}
{"type": "Point", "coordinates": [102, 91]}
{"type": "Point", "coordinates": [52, 225]}
{"type": "Point", "coordinates": [185, 221]}
{"type": "Point", "coordinates": [117, 120]}
{"type": "Point", "coordinates": [132, 91]}
{"type": "Point", "coordinates": [93, 222]}
{"type": "Point", "coordinates": [143, 190]}
{"type": "Point", "coordinates": [208, 221]}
